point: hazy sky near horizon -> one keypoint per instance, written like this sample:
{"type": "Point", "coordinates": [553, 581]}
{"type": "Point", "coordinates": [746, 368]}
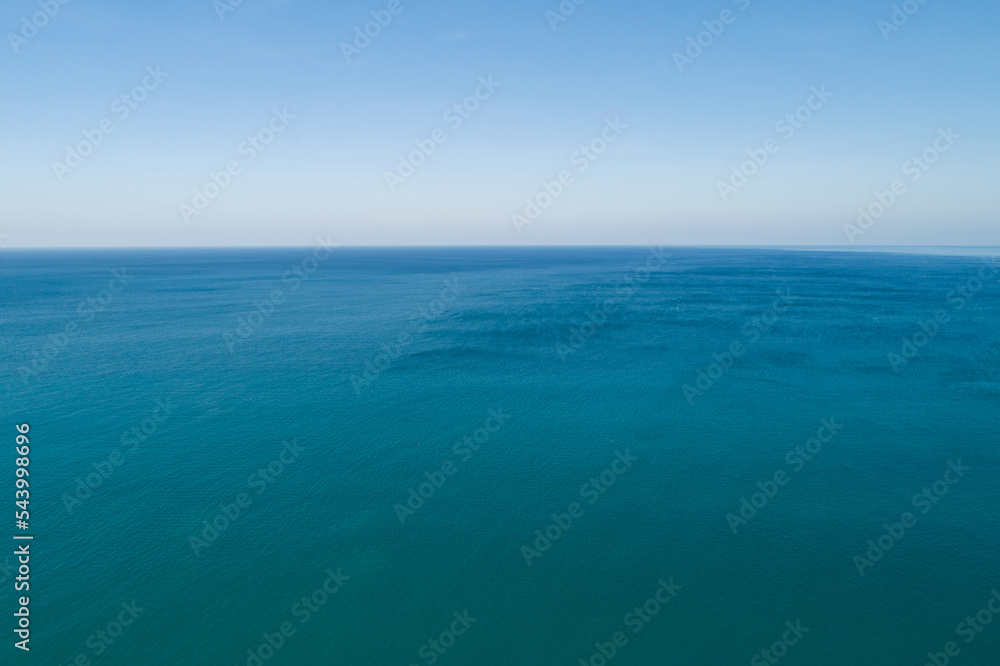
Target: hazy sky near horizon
{"type": "Point", "coordinates": [675, 128]}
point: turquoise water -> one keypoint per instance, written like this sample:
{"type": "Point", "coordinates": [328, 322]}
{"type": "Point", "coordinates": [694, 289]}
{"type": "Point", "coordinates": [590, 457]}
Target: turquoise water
{"type": "Point", "coordinates": [473, 376]}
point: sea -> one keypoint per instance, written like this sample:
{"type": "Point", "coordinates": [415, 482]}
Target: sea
{"type": "Point", "coordinates": [496, 456]}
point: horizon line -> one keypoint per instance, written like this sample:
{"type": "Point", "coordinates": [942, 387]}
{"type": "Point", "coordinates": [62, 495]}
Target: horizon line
{"type": "Point", "coordinates": [857, 248]}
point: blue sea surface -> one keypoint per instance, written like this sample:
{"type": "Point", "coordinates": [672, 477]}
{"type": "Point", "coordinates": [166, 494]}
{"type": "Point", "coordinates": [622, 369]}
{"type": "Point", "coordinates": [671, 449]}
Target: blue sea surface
{"type": "Point", "coordinates": [504, 456]}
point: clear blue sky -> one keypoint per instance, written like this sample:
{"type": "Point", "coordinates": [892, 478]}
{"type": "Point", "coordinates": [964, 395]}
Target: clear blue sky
{"type": "Point", "coordinates": [658, 182]}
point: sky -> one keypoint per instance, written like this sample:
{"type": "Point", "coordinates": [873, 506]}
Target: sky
{"type": "Point", "coordinates": [274, 122]}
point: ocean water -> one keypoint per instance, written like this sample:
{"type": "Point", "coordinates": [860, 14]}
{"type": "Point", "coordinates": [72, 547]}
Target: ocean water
{"type": "Point", "coordinates": [504, 456]}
